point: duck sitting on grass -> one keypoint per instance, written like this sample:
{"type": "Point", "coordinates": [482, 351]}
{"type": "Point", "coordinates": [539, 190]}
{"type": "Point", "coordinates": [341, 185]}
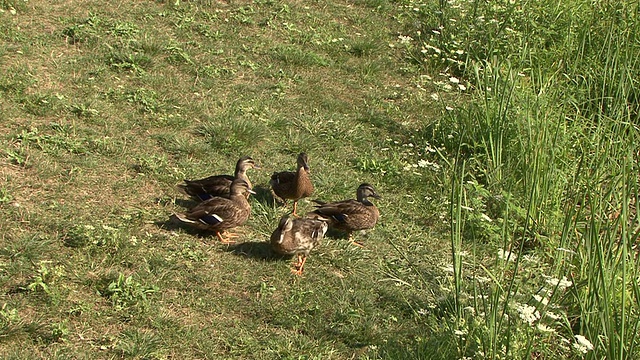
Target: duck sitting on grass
{"type": "Point", "coordinates": [350, 215]}
{"type": "Point", "coordinates": [218, 185]}
{"type": "Point", "coordinates": [219, 213]}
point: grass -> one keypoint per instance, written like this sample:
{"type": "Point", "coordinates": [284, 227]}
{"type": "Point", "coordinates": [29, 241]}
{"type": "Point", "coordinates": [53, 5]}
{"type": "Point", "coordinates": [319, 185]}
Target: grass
{"type": "Point", "coordinates": [501, 136]}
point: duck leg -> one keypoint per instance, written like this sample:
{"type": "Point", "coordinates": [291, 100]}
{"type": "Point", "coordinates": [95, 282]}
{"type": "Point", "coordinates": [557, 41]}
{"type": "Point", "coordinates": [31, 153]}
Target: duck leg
{"type": "Point", "coordinates": [295, 208]}
{"type": "Point", "coordinates": [350, 238]}
{"type": "Point", "coordinates": [227, 239]}
{"type": "Point", "coordinates": [299, 265]}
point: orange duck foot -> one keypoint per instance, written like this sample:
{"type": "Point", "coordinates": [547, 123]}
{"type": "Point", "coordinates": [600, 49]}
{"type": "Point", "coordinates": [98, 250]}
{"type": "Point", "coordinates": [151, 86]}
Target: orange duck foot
{"type": "Point", "coordinates": [226, 240]}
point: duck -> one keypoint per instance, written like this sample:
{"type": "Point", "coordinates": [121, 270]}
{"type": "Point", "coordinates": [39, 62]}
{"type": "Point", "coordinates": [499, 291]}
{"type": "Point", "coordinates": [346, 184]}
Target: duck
{"type": "Point", "coordinates": [297, 236]}
{"type": "Point", "coordinates": [219, 214]}
{"type": "Point", "coordinates": [218, 185]}
{"type": "Point", "coordinates": [290, 185]}
{"type": "Point", "coordinates": [350, 215]}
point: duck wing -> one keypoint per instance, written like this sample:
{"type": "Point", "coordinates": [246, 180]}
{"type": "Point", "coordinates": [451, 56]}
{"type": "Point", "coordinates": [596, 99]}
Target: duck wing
{"type": "Point", "coordinates": [207, 188]}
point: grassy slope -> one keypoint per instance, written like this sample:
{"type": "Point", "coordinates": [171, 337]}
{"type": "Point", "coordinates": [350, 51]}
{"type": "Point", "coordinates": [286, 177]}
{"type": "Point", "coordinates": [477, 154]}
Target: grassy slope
{"type": "Point", "coordinates": [105, 109]}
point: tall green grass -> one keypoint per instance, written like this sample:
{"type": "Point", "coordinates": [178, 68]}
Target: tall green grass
{"type": "Point", "coordinates": [543, 174]}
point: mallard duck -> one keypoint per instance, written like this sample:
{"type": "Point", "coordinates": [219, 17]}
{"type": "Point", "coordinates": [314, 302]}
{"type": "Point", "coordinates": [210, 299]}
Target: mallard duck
{"type": "Point", "coordinates": [293, 185]}
{"type": "Point", "coordinates": [297, 236]}
{"type": "Point", "coordinates": [350, 215]}
{"type": "Point", "coordinates": [218, 185]}
{"type": "Point", "coordinates": [219, 214]}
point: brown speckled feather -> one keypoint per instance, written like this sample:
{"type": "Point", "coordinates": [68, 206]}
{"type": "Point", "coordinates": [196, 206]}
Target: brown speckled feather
{"type": "Point", "coordinates": [351, 215]}
{"type": "Point", "coordinates": [218, 213]}
{"type": "Point", "coordinates": [293, 185]}
{"type": "Point", "coordinates": [218, 185]}
{"type": "Point", "coordinates": [297, 235]}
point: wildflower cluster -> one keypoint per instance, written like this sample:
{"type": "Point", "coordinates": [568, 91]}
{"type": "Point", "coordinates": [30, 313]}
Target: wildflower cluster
{"type": "Point", "coordinates": [98, 235]}
{"type": "Point", "coordinates": [532, 311]}
{"type": "Point", "coordinates": [415, 159]}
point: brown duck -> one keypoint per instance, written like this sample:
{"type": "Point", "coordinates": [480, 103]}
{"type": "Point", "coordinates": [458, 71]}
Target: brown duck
{"type": "Point", "coordinates": [219, 214]}
{"type": "Point", "coordinates": [293, 185]}
{"type": "Point", "coordinates": [297, 236]}
{"type": "Point", "coordinates": [218, 185]}
{"type": "Point", "coordinates": [350, 215]}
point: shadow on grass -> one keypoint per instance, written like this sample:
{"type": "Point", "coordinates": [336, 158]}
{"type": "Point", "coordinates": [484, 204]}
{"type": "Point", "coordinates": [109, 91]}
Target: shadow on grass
{"type": "Point", "coordinates": [263, 194]}
{"type": "Point", "coordinates": [172, 224]}
{"type": "Point", "coordinates": [255, 250]}
{"type": "Point", "coordinates": [185, 203]}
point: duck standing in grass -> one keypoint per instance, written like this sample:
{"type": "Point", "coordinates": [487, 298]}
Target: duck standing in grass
{"type": "Point", "coordinates": [350, 215]}
{"type": "Point", "coordinates": [297, 236]}
{"type": "Point", "coordinates": [218, 185]}
{"type": "Point", "coordinates": [293, 185]}
{"type": "Point", "coordinates": [219, 213]}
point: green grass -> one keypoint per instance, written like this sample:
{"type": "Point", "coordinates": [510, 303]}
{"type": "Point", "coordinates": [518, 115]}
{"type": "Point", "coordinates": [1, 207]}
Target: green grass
{"type": "Point", "coordinates": [501, 136]}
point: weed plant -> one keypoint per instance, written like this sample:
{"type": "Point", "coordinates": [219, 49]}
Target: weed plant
{"type": "Point", "coordinates": [543, 174]}
{"type": "Point", "coordinates": [502, 136]}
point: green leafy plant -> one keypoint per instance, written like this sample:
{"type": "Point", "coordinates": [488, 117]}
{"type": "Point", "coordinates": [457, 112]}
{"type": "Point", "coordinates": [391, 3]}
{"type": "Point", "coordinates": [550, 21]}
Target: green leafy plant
{"type": "Point", "coordinates": [45, 278]}
{"type": "Point", "coordinates": [125, 292]}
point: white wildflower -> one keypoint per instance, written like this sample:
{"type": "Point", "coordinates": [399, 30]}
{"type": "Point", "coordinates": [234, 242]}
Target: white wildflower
{"type": "Point", "coordinates": [560, 283]}
{"type": "Point", "coordinates": [462, 87]}
{"type": "Point", "coordinates": [435, 97]}
{"type": "Point", "coordinates": [426, 163]}
{"type": "Point", "coordinates": [506, 255]}
{"type": "Point", "coordinates": [448, 268]}
{"type": "Point", "coordinates": [470, 310]}
{"type": "Point", "coordinates": [449, 108]}
{"type": "Point", "coordinates": [552, 315]}
{"type": "Point", "coordinates": [545, 329]}
{"type": "Point", "coordinates": [582, 344]}
{"type": "Point", "coordinates": [454, 80]}
{"type": "Point", "coordinates": [435, 49]}
{"type": "Point", "coordinates": [486, 218]}
{"type": "Point", "coordinates": [541, 300]}
{"type": "Point", "coordinates": [405, 39]}
{"type": "Point", "coordinates": [528, 313]}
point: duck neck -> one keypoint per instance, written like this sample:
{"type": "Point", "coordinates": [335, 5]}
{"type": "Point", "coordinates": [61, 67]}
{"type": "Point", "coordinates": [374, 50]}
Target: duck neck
{"type": "Point", "coordinates": [240, 172]}
{"type": "Point", "coordinates": [238, 197]}
{"type": "Point", "coordinates": [363, 199]}
{"type": "Point", "coordinates": [301, 172]}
